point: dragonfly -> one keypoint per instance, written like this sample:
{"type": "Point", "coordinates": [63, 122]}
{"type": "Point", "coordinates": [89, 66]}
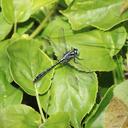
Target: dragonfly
{"type": "Point", "coordinates": [74, 52]}
{"type": "Point", "coordinates": [71, 54]}
{"type": "Point", "coordinates": [68, 55]}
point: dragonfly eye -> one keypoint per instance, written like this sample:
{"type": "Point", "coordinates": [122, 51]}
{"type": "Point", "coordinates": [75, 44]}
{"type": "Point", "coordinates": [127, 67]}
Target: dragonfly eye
{"type": "Point", "coordinates": [76, 51]}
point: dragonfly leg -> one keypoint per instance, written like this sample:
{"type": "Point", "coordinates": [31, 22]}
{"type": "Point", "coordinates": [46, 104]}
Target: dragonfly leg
{"type": "Point", "coordinates": [75, 61]}
{"type": "Point", "coordinates": [79, 58]}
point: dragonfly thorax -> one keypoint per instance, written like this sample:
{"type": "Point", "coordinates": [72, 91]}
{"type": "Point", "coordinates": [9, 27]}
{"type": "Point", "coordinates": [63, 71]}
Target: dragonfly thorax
{"type": "Point", "coordinates": [72, 54]}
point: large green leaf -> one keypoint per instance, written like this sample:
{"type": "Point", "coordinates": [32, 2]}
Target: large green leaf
{"type": "Point", "coordinates": [8, 94]}
{"type": "Point", "coordinates": [26, 62]}
{"type": "Point", "coordinates": [58, 120]}
{"type": "Point", "coordinates": [5, 28]}
{"type": "Point", "coordinates": [71, 91]}
{"type": "Point", "coordinates": [19, 116]}
{"type": "Point", "coordinates": [112, 111]}
{"type": "Point", "coordinates": [16, 10]}
{"type": "Point", "coordinates": [102, 14]}
{"type": "Point", "coordinates": [4, 61]}
{"type": "Point", "coordinates": [96, 47]}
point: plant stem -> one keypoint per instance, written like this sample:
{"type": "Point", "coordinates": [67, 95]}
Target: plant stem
{"type": "Point", "coordinates": [15, 26]}
{"type": "Point", "coordinates": [40, 27]}
{"type": "Point", "coordinates": [39, 105]}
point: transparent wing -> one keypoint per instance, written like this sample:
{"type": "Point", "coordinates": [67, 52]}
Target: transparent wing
{"type": "Point", "coordinates": [62, 40]}
{"type": "Point", "coordinates": [58, 40]}
{"type": "Point", "coordinates": [59, 43]}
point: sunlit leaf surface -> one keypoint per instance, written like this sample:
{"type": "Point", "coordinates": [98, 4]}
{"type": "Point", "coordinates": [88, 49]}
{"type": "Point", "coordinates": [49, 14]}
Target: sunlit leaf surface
{"type": "Point", "coordinates": [5, 28]}
{"type": "Point", "coordinates": [8, 94]}
{"type": "Point", "coordinates": [16, 10]}
{"type": "Point", "coordinates": [26, 62]}
{"type": "Point", "coordinates": [19, 116]}
{"type": "Point", "coordinates": [73, 92]}
{"type": "Point", "coordinates": [101, 14]}
{"type": "Point", "coordinates": [37, 4]}
{"type": "Point", "coordinates": [59, 120]}
{"type": "Point", "coordinates": [4, 60]}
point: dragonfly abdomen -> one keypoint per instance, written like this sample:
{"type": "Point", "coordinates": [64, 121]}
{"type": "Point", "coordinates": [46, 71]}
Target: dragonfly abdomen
{"type": "Point", "coordinates": [42, 74]}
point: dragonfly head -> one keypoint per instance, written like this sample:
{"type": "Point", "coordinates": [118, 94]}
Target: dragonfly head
{"type": "Point", "coordinates": [76, 51]}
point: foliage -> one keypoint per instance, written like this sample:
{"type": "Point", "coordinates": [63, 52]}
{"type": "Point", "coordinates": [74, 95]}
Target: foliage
{"type": "Point", "coordinates": [34, 35]}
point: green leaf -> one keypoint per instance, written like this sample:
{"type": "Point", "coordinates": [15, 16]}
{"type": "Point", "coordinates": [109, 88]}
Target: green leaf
{"type": "Point", "coordinates": [26, 62]}
{"type": "Point", "coordinates": [37, 4]}
{"type": "Point", "coordinates": [4, 61]}
{"type": "Point", "coordinates": [58, 120]}
{"type": "Point", "coordinates": [19, 116]}
{"type": "Point", "coordinates": [112, 110]}
{"type": "Point", "coordinates": [16, 10]}
{"type": "Point", "coordinates": [5, 28]}
{"type": "Point", "coordinates": [96, 47]}
{"type": "Point", "coordinates": [8, 10]}
{"type": "Point", "coordinates": [8, 94]}
{"type": "Point", "coordinates": [101, 14]}
{"type": "Point", "coordinates": [71, 91]}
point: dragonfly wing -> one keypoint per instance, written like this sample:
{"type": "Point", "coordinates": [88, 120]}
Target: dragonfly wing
{"type": "Point", "coordinates": [62, 39]}
{"type": "Point", "coordinates": [59, 44]}
{"type": "Point", "coordinates": [58, 32]}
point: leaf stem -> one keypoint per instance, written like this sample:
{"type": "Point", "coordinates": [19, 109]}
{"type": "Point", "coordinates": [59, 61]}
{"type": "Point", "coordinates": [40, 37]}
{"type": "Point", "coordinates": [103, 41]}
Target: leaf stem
{"type": "Point", "coordinates": [39, 104]}
{"type": "Point", "coordinates": [40, 27]}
